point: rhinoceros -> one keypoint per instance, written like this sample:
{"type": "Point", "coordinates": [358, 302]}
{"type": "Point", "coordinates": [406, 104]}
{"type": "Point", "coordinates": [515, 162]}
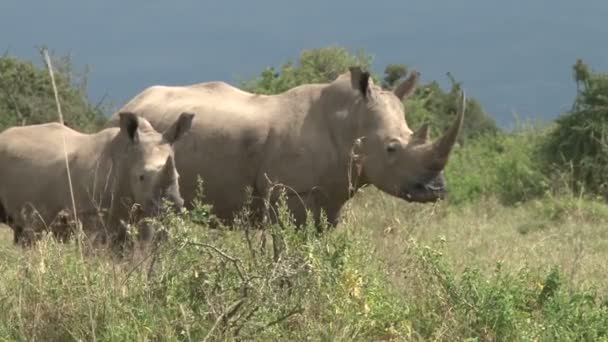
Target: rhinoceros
{"type": "Point", "coordinates": [110, 170]}
{"type": "Point", "coordinates": [320, 141]}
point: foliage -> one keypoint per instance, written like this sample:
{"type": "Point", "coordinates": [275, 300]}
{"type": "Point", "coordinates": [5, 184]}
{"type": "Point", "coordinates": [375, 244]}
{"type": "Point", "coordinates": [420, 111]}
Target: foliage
{"type": "Point", "coordinates": [506, 306]}
{"type": "Point", "coordinates": [434, 105]}
{"type": "Point", "coordinates": [26, 95]}
{"type": "Point", "coordinates": [321, 65]}
{"type": "Point", "coordinates": [392, 74]}
{"type": "Point", "coordinates": [504, 165]}
{"type": "Point", "coordinates": [579, 141]}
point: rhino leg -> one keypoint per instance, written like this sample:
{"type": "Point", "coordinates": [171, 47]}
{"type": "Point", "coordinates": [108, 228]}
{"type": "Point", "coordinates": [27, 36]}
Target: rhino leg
{"type": "Point", "coordinates": [61, 227]}
{"type": "Point", "coordinates": [9, 221]}
{"type": "Point", "coordinates": [3, 214]}
{"type": "Point", "coordinates": [300, 206]}
{"type": "Point", "coordinates": [23, 235]}
{"type": "Point", "coordinates": [17, 233]}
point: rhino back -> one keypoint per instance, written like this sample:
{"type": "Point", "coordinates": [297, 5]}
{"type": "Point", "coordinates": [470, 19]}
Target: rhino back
{"type": "Point", "coordinates": [225, 145]}
{"type": "Point", "coordinates": [33, 167]}
{"type": "Point", "coordinates": [240, 140]}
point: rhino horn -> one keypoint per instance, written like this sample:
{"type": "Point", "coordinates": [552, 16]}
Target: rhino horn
{"type": "Point", "coordinates": [441, 148]}
{"type": "Point", "coordinates": [168, 171]}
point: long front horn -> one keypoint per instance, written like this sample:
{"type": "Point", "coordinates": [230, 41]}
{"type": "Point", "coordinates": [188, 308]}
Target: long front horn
{"type": "Point", "coordinates": [442, 147]}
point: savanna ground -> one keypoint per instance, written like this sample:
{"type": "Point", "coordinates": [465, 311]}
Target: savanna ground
{"type": "Point", "coordinates": [516, 253]}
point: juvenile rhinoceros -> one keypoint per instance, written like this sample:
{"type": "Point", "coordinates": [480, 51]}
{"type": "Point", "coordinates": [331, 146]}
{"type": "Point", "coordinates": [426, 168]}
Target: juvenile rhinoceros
{"type": "Point", "coordinates": [110, 171]}
{"type": "Point", "coordinates": [321, 141]}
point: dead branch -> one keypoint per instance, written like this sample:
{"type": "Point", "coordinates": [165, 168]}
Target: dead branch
{"type": "Point", "coordinates": [296, 311]}
{"type": "Point", "coordinates": [222, 317]}
{"type": "Point", "coordinates": [235, 261]}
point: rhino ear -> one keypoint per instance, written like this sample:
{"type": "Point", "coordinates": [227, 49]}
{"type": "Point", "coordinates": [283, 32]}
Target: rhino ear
{"type": "Point", "coordinates": [407, 88]}
{"type": "Point", "coordinates": [129, 124]}
{"type": "Point", "coordinates": [179, 128]}
{"type": "Point", "coordinates": [360, 80]}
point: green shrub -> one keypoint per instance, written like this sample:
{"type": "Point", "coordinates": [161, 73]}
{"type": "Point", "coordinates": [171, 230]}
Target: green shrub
{"type": "Point", "coordinates": [26, 95]}
{"type": "Point", "coordinates": [578, 145]}
{"type": "Point", "coordinates": [433, 105]}
{"type": "Point", "coordinates": [527, 304]}
{"type": "Point", "coordinates": [321, 65]}
{"type": "Point", "coordinates": [503, 165]}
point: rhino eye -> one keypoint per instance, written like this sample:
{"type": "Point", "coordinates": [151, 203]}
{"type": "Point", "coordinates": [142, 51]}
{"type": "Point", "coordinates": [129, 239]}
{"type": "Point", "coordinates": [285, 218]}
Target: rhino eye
{"type": "Point", "coordinates": [141, 178]}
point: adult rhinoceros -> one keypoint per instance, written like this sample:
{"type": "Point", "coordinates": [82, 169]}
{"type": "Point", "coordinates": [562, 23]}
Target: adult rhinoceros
{"type": "Point", "coordinates": [110, 170]}
{"type": "Point", "coordinates": [303, 139]}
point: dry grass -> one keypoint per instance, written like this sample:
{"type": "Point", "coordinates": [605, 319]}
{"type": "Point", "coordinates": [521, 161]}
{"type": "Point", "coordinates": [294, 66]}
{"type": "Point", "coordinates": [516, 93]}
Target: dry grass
{"type": "Point", "coordinates": [6, 236]}
{"type": "Point", "coordinates": [480, 234]}
{"type": "Point", "coordinates": [486, 233]}
{"type": "Point", "coordinates": [371, 279]}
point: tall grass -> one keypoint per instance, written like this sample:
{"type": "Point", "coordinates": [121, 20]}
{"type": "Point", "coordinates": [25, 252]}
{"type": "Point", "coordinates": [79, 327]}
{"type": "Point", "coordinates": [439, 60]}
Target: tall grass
{"type": "Point", "coordinates": [391, 271]}
{"type": "Point", "coordinates": [70, 186]}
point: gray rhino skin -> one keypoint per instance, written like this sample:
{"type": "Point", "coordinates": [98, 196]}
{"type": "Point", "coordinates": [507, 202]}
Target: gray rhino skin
{"type": "Point", "coordinates": [110, 170]}
{"type": "Point", "coordinates": [322, 141]}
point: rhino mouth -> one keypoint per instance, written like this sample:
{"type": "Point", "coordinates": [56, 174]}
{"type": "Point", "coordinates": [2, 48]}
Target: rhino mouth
{"type": "Point", "coordinates": [425, 192]}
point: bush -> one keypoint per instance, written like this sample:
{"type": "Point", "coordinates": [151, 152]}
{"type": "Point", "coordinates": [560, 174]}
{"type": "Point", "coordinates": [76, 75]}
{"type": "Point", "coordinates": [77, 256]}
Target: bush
{"type": "Point", "coordinates": [26, 95]}
{"type": "Point", "coordinates": [321, 65]}
{"type": "Point", "coordinates": [434, 105]}
{"type": "Point", "coordinates": [579, 142]}
{"type": "Point", "coordinates": [504, 165]}
{"type": "Point", "coordinates": [505, 306]}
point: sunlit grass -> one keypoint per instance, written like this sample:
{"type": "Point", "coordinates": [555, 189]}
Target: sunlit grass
{"type": "Point", "coordinates": [392, 270]}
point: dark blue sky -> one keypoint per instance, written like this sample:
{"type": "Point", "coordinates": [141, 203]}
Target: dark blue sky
{"type": "Point", "coordinates": [514, 56]}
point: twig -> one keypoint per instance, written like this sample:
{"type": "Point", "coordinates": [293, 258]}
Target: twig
{"type": "Point", "coordinates": [233, 309]}
{"type": "Point", "coordinates": [222, 317]}
{"type": "Point", "coordinates": [100, 102]}
{"type": "Point", "coordinates": [247, 317]}
{"type": "Point", "coordinates": [233, 260]}
{"type": "Point", "coordinates": [280, 319]}
{"type": "Point", "coordinates": [134, 268]}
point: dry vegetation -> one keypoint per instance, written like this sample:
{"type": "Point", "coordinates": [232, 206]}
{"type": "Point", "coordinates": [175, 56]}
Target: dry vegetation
{"type": "Point", "coordinates": [488, 233]}
{"type": "Point", "coordinates": [392, 270]}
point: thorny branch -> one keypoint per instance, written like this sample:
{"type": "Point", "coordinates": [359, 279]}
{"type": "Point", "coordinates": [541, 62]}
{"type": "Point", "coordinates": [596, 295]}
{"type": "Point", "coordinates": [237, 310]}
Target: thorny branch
{"type": "Point", "coordinates": [232, 309]}
{"type": "Point", "coordinates": [295, 311]}
{"type": "Point", "coordinates": [235, 261]}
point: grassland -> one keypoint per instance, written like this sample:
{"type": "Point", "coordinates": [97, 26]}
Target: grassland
{"type": "Point", "coordinates": [391, 271]}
